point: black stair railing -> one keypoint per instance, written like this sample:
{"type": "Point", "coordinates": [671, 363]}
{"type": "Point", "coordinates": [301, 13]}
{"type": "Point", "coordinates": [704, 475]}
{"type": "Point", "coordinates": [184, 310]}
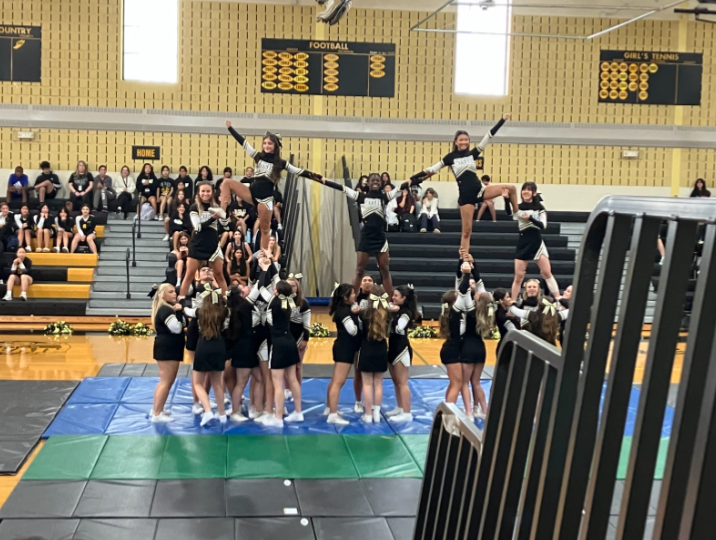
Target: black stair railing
{"type": "Point", "coordinates": [136, 233]}
{"type": "Point", "coordinates": [126, 257]}
{"type": "Point", "coordinates": [545, 466]}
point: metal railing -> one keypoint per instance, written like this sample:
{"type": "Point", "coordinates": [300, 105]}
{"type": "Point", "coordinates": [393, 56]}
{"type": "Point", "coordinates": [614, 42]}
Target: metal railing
{"type": "Point", "coordinates": [129, 294]}
{"type": "Point", "coordinates": [546, 464]}
{"type": "Point", "coordinates": [136, 233]}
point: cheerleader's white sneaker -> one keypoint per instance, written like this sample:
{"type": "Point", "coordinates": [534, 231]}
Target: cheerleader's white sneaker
{"type": "Point", "coordinates": [394, 412]}
{"type": "Point", "coordinates": [295, 417]}
{"type": "Point", "coordinates": [206, 418]}
{"type": "Point", "coordinates": [358, 407]}
{"type": "Point", "coordinates": [335, 419]}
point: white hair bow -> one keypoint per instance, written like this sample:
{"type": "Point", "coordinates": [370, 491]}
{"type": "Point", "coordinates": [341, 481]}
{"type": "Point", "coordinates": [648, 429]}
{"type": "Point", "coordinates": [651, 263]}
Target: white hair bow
{"type": "Point", "coordinates": [208, 291]}
{"type": "Point", "coordinates": [377, 300]}
{"type": "Point", "coordinates": [297, 277]}
{"type": "Point", "coordinates": [444, 307]}
{"type": "Point", "coordinates": [287, 301]}
{"type": "Point", "coordinates": [549, 307]}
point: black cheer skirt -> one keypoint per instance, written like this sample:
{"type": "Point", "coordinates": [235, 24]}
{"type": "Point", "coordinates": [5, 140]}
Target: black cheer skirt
{"type": "Point", "coordinates": [210, 355]}
{"type": "Point", "coordinates": [450, 352]}
{"type": "Point", "coordinates": [284, 352]}
{"type": "Point", "coordinates": [169, 347]}
{"type": "Point", "coordinates": [373, 356]}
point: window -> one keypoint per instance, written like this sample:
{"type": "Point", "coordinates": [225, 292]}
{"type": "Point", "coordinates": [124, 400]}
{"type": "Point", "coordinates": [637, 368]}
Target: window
{"type": "Point", "coordinates": [482, 57]}
{"type": "Point", "coordinates": [150, 40]}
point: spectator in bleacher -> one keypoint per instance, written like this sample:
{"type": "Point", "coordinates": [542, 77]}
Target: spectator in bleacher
{"type": "Point", "coordinates": [277, 218]}
{"type": "Point", "coordinates": [44, 230]}
{"type": "Point", "coordinates": [205, 175]}
{"type": "Point", "coordinates": [80, 185]}
{"type": "Point", "coordinates": [228, 174]}
{"type": "Point", "coordinates": [490, 203]}
{"type": "Point", "coordinates": [180, 222]}
{"type": "Point", "coordinates": [699, 188]}
{"type": "Point", "coordinates": [249, 172]}
{"type": "Point", "coordinates": [274, 252]}
{"type": "Point", "coordinates": [126, 186]}
{"type": "Point", "coordinates": [181, 195]}
{"type": "Point", "coordinates": [245, 215]}
{"type": "Point", "coordinates": [405, 208]}
{"type": "Point", "coordinates": [7, 228]}
{"type": "Point", "coordinates": [25, 227]}
{"type": "Point", "coordinates": [17, 185]}
{"type": "Point", "coordinates": [226, 231]}
{"type": "Point", "coordinates": [429, 212]}
{"type": "Point", "coordinates": [103, 190]}
{"type": "Point", "coordinates": [64, 226]}
{"type": "Point", "coordinates": [184, 181]}
{"type": "Point", "coordinates": [238, 267]}
{"type": "Point", "coordinates": [85, 230]}
{"type": "Point", "coordinates": [391, 217]}
{"type": "Point", "coordinates": [239, 242]}
{"type": "Point", "coordinates": [47, 185]}
{"type": "Point", "coordinates": [20, 272]}
{"type": "Point", "coordinates": [385, 179]}
{"type": "Point", "coordinates": [181, 252]}
{"type": "Point", "coordinates": [146, 187]}
{"type": "Point", "coordinates": [363, 184]}
{"type": "Point", "coordinates": [165, 191]}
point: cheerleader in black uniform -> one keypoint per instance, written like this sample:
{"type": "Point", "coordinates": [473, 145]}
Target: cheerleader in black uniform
{"type": "Point", "coordinates": [169, 324]}
{"type": "Point", "coordinates": [205, 217]}
{"type": "Point", "coordinates": [345, 347]}
{"type": "Point", "coordinates": [400, 354]}
{"type": "Point", "coordinates": [472, 191]}
{"type": "Point", "coordinates": [300, 323]}
{"type": "Point", "coordinates": [479, 322]}
{"type": "Point", "coordinates": [284, 352]}
{"type": "Point", "coordinates": [505, 319]}
{"type": "Point", "coordinates": [210, 357]}
{"type": "Point", "coordinates": [44, 231]}
{"type": "Point", "coordinates": [452, 327]}
{"type": "Point", "coordinates": [372, 236]}
{"type": "Point", "coordinates": [147, 187]}
{"type": "Point", "coordinates": [64, 226]}
{"type": "Point", "coordinates": [25, 226]}
{"type": "Point", "coordinates": [532, 219]}
{"type": "Point", "coordinates": [261, 341]}
{"type": "Point", "coordinates": [544, 321]}
{"type": "Point", "coordinates": [366, 285]}
{"type": "Point", "coordinates": [239, 346]}
{"type": "Point", "coordinates": [85, 230]}
{"type": "Point", "coordinates": [267, 175]}
{"type": "Point", "coordinates": [373, 357]}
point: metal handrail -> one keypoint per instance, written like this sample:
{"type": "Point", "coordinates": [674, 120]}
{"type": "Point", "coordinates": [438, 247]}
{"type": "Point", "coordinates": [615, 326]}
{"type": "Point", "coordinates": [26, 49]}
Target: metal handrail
{"type": "Point", "coordinates": [129, 295]}
{"type": "Point", "coordinates": [134, 246]}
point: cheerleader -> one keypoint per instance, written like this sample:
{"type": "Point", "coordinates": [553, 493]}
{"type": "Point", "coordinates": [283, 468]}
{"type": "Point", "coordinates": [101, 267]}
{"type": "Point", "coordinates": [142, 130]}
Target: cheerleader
{"type": "Point", "coordinates": [147, 187]}
{"type": "Point", "coordinates": [345, 348]}
{"type": "Point", "coordinates": [169, 344]}
{"type": "Point", "coordinates": [505, 319]}
{"type": "Point", "coordinates": [452, 327]}
{"type": "Point", "coordinates": [239, 346]}
{"type": "Point", "coordinates": [476, 283]}
{"type": "Point", "coordinates": [20, 272]}
{"type": "Point", "coordinates": [373, 356]}
{"type": "Point", "coordinates": [25, 226]}
{"type": "Point", "coordinates": [479, 322]}
{"type": "Point", "coordinates": [372, 207]}
{"type": "Point", "coordinates": [165, 191]}
{"type": "Point", "coordinates": [44, 231]}
{"type": "Point", "coordinates": [284, 352]}
{"type": "Point", "coordinates": [532, 219]}
{"type": "Point", "coordinates": [262, 340]}
{"type": "Point", "coordinates": [564, 312]}
{"type": "Point", "coordinates": [300, 322]}
{"type": "Point", "coordinates": [472, 191]}
{"type": "Point", "coordinates": [543, 321]}
{"type": "Point", "coordinates": [204, 246]}
{"type": "Point", "coordinates": [266, 177]}
{"type": "Point", "coordinates": [210, 357]}
{"type": "Point", "coordinates": [85, 230]}
{"type": "Point", "coordinates": [64, 231]}
{"type": "Point", "coordinates": [400, 354]}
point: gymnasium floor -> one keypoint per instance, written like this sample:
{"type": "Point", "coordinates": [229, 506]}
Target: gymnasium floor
{"type": "Point", "coordinates": [163, 474]}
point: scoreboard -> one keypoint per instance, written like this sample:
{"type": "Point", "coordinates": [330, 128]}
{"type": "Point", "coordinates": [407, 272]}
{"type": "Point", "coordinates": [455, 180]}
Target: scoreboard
{"type": "Point", "coordinates": [327, 68]}
{"type": "Point", "coordinates": [650, 78]}
{"type": "Point", "coordinates": [20, 53]}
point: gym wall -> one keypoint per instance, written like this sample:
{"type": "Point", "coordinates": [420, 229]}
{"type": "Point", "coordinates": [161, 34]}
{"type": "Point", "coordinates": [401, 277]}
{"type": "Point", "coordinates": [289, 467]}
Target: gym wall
{"type": "Point", "coordinates": [551, 81]}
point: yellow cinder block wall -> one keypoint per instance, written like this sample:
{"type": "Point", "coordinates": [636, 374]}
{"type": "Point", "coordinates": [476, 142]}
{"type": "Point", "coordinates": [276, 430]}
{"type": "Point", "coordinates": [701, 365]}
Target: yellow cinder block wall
{"type": "Point", "coordinates": [219, 45]}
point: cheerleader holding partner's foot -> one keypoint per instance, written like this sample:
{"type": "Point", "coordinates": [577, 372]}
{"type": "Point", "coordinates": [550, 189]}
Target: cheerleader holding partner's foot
{"type": "Point", "coordinates": [472, 191]}
{"type": "Point", "coordinates": [400, 354]}
{"type": "Point", "coordinates": [266, 177]}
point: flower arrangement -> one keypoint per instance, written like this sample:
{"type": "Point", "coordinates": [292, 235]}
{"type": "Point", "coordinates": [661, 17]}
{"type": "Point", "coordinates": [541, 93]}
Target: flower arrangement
{"type": "Point", "coordinates": [123, 328]}
{"type": "Point", "coordinates": [59, 328]}
{"type": "Point", "coordinates": [318, 330]}
{"type": "Point", "coordinates": [423, 332]}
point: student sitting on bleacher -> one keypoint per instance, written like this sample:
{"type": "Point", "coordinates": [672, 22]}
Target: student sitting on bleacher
{"type": "Point", "coordinates": [85, 230]}
{"type": "Point", "coordinates": [17, 185]}
{"type": "Point", "coordinates": [7, 228]}
{"type": "Point", "coordinates": [20, 271]}
{"type": "Point", "coordinates": [47, 185]}
{"type": "Point", "coordinates": [80, 185]}
{"type": "Point", "coordinates": [64, 225]}
{"type": "Point", "coordinates": [44, 230]}
{"type": "Point", "coordinates": [25, 226]}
